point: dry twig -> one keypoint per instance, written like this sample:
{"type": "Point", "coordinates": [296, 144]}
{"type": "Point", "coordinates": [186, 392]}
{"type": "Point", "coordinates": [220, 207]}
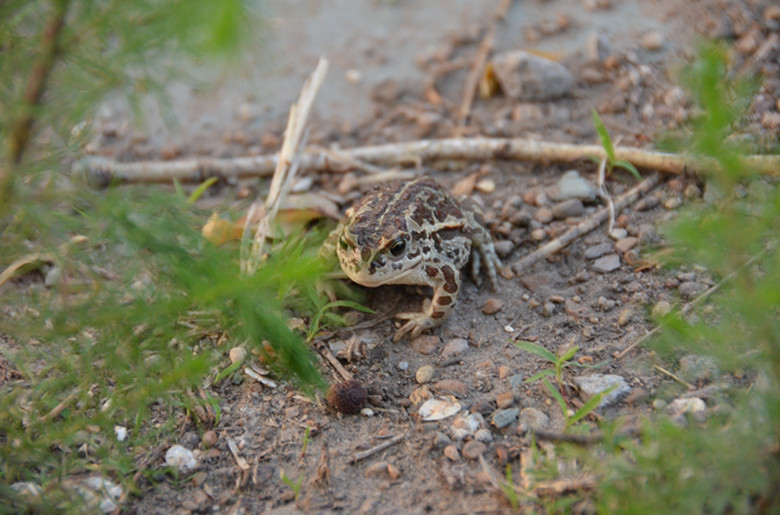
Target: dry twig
{"type": "Point", "coordinates": [18, 137]}
{"type": "Point", "coordinates": [381, 447]}
{"type": "Point", "coordinates": [478, 67]}
{"type": "Point", "coordinates": [586, 225]}
{"type": "Point", "coordinates": [103, 171]}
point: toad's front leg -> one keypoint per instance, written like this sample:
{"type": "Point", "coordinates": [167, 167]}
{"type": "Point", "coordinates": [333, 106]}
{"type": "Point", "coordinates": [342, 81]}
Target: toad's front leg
{"type": "Point", "coordinates": [446, 285]}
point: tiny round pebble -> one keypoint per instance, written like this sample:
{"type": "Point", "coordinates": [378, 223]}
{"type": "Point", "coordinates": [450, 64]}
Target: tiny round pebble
{"type": "Point", "coordinates": [424, 374]}
{"type": "Point", "coordinates": [237, 354]}
{"type": "Point", "coordinates": [473, 449]}
{"type": "Point", "coordinates": [209, 439]}
{"type": "Point", "coordinates": [451, 452]}
{"type": "Point", "coordinates": [403, 365]}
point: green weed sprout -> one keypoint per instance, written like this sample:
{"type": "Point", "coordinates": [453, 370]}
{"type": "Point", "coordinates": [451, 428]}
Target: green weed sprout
{"type": "Point", "coordinates": [609, 148]}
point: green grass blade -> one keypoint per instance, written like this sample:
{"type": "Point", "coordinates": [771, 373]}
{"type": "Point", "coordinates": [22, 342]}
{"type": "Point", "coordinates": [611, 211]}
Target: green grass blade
{"type": "Point", "coordinates": [559, 398]}
{"type": "Point", "coordinates": [543, 373]}
{"type": "Point", "coordinates": [606, 140]}
{"type": "Point", "coordinates": [200, 190]}
{"type": "Point", "coordinates": [589, 406]}
{"type": "Point", "coordinates": [626, 165]}
{"type": "Point", "coordinates": [536, 349]}
{"type": "Point", "coordinates": [569, 353]}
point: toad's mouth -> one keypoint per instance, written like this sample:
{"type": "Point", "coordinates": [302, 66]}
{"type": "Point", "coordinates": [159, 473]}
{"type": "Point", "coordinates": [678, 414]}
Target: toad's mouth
{"type": "Point", "coordinates": [362, 274]}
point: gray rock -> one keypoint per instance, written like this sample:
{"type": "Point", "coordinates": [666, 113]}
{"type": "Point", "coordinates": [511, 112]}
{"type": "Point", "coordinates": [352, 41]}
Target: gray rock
{"type": "Point", "coordinates": [598, 47]}
{"type": "Point", "coordinates": [180, 458]}
{"type": "Point", "coordinates": [544, 215]}
{"type": "Point", "coordinates": [503, 248]}
{"type": "Point", "coordinates": [504, 417]}
{"type": "Point", "coordinates": [520, 218]}
{"type": "Point", "coordinates": [573, 185]}
{"type": "Point", "coordinates": [454, 347]}
{"type": "Point", "coordinates": [596, 383]}
{"type": "Point", "coordinates": [516, 380]}
{"type": "Point", "coordinates": [534, 419]}
{"type": "Point", "coordinates": [524, 76]}
{"type": "Point", "coordinates": [483, 435]}
{"type": "Point", "coordinates": [607, 263]}
{"type": "Point", "coordinates": [690, 289]}
{"type": "Point", "coordinates": [189, 440]}
{"type": "Point", "coordinates": [441, 440]}
{"type": "Point", "coordinates": [568, 209]}
{"type": "Point", "coordinates": [695, 368]}
{"type": "Point", "coordinates": [597, 250]}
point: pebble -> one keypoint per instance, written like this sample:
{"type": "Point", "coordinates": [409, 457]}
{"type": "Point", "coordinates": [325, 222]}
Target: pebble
{"type": "Point", "coordinates": [653, 41]}
{"type": "Point", "coordinates": [618, 233]}
{"type": "Point", "coordinates": [483, 435]}
{"type": "Point", "coordinates": [568, 209]}
{"type": "Point", "coordinates": [548, 308]}
{"type": "Point", "coordinates": [425, 344]}
{"type": "Point", "coordinates": [572, 185]}
{"type": "Point", "coordinates": [516, 381]}
{"type": "Point", "coordinates": [534, 419]}
{"type": "Point", "coordinates": [682, 406]}
{"type": "Point", "coordinates": [544, 215]}
{"type": "Point", "coordinates": [690, 289]}
{"type": "Point", "coordinates": [455, 347]}
{"type": "Point", "coordinates": [695, 368]}
{"type": "Point", "coordinates": [505, 400]}
{"type": "Point", "coordinates": [673, 202]}
{"type": "Point", "coordinates": [452, 386]}
{"type": "Point", "coordinates": [486, 186]}
{"type": "Point", "coordinates": [97, 492]}
{"type": "Point", "coordinates": [424, 374]}
{"type": "Point", "coordinates": [504, 417]}
{"type": "Point", "coordinates": [393, 471]}
{"type": "Point", "coordinates": [525, 76]}
{"type": "Point", "coordinates": [647, 203]}
{"type": "Point", "coordinates": [625, 316]}
{"type": "Point", "coordinates": [403, 365]}
{"type": "Point", "coordinates": [451, 452]}
{"type": "Point", "coordinates": [503, 248]}
{"type": "Point", "coordinates": [441, 440]}
{"type": "Point", "coordinates": [607, 263]}
{"type": "Point", "coordinates": [504, 371]}
{"type": "Point", "coordinates": [377, 469]}
{"type": "Point", "coordinates": [189, 440]}
{"type": "Point", "coordinates": [367, 412]}
{"type": "Point", "coordinates": [121, 433]}
{"type": "Point", "coordinates": [538, 234]}
{"type": "Point", "coordinates": [467, 425]}
{"type": "Point", "coordinates": [597, 47]}
{"type": "Point", "coordinates": [520, 218]}
{"type": "Point", "coordinates": [661, 308]}
{"type": "Point", "coordinates": [209, 438]}
{"type": "Point", "coordinates": [492, 306]}
{"type": "Point", "coordinates": [605, 304]}
{"type": "Point", "coordinates": [237, 354]}
{"type": "Point", "coordinates": [181, 459]}
{"type": "Point", "coordinates": [659, 404]}
{"type": "Point", "coordinates": [596, 383]}
{"type": "Point", "coordinates": [597, 250]}
{"type": "Point", "coordinates": [473, 449]}
{"type": "Point", "coordinates": [626, 244]}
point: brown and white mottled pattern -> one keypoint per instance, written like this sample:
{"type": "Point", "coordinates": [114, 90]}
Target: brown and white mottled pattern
{"type": "Point", "coordinates": [414, 232]}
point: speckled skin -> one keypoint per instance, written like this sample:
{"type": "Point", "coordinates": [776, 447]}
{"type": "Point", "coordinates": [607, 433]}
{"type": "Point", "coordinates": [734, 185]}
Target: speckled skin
{"type": "Point", "coordinates": [414, 232]}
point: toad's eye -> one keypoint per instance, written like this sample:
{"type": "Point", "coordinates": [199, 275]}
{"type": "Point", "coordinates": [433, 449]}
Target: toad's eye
{"type": "Point", "coordinates": [397, 247]}
{"type": "Point", "coordinates": [343, 243]}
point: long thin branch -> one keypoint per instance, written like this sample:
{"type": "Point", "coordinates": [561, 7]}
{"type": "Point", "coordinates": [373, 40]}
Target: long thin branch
{"type": "Point", "coordinates": [103, 171]}
{"type": "Point", "coordinates": [21, 129]}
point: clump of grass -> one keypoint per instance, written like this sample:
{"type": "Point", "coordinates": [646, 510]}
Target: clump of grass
{"type": "Point", "coordinates": [730, 463]}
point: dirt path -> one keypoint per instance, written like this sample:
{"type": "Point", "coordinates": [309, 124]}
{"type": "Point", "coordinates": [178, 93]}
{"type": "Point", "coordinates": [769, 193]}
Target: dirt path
{"type": "Point", "coordinates": [595, 294]}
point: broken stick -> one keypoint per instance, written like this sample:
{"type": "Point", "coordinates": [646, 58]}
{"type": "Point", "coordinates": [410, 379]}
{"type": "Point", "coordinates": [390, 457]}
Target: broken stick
{"type": "Point", "coordinates": [103, 171]}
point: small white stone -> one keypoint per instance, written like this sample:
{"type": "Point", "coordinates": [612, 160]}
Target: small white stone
{"type": "Point", "coordinates": [367, 412]}
{"type": "Point", "coordinates": [181, 458]}
{"type": "Point", "coordinates": [121, 433]}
